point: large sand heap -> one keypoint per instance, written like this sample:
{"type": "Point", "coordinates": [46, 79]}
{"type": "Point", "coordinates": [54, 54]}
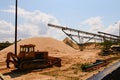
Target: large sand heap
{"type": "Point", "coordinates": [51, 45]}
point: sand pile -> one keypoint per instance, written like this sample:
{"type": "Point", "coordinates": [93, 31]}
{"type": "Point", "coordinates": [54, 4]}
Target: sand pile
{"type": "Point", "coordinates": [92, 46]}
{"type": "Point", "coordinates": [51, 45]}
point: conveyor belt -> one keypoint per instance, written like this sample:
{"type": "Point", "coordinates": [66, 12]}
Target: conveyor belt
{"type": "Point", "coordinates": [105, 72]}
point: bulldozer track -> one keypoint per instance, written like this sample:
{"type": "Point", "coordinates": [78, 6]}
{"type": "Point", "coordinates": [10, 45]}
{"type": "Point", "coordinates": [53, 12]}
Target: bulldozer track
{"type": "Point", "coordinates": [5, 70]}
{"type": "Point", "coordinates": [36, 64]}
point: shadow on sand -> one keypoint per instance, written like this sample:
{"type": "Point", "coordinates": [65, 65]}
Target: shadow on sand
{"type": "Point", "coordinates": [17, 73]}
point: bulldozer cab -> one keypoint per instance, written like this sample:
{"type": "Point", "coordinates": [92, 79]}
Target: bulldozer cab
{"type": "Point", "coordinates": [27, 48]}
{"type": "Point", "coordinates": [27, 52]}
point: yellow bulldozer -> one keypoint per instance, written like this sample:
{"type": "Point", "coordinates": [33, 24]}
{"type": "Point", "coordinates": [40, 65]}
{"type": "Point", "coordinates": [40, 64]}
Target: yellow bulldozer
{"type": "Point", "coordinates": [28, 58]}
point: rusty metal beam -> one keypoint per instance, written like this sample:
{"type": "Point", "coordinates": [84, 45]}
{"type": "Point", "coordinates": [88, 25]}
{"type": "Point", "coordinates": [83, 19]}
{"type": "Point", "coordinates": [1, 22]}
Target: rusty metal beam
{"type": "Point", "coordinates": [108, 34]}
{"type": "Point", "coordinates": [86, 37]}
{"type": "Point", "coordinates": [79, 31]}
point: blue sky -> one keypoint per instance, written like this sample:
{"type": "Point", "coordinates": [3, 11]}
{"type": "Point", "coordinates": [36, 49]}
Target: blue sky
{"type": "Point", "coordinates": [87, 15]}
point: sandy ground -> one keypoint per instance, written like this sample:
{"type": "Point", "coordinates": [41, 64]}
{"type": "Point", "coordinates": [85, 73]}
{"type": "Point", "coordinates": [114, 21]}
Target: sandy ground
{"type": "Point", "coordinates": [71, 61]}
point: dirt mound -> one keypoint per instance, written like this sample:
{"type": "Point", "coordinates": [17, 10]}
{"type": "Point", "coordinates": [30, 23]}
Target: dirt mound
{"type": "Point", "coordinates": [51, 45]}
{"type": "Point", "coordinates": [92, 45]}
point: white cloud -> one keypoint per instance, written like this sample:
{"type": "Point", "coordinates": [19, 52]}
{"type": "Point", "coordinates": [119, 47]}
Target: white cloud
{"type": "Point", "coordinates": [95, 24]}
{"type": "Point", "coordinates": [6, 28]}
{"type": "Point", "coordinates": [34, 16]}
{"type": "Point", "coordinates": [6, 31]}
{"type": "Point", "coordinates": [113, 29]}
{"type": "Point", "coordinates": [33, 23]}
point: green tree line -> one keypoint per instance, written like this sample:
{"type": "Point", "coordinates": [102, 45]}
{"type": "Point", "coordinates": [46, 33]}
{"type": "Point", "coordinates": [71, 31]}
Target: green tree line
{"type": "Point", "coordinates": [4, 44]}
